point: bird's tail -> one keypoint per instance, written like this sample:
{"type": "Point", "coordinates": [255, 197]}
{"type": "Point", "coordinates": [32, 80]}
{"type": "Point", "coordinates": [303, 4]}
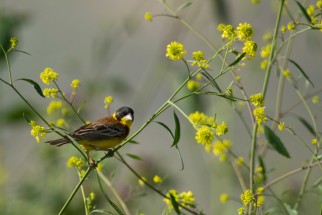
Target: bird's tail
{"type": "Point", "coordinates": [58, 142]}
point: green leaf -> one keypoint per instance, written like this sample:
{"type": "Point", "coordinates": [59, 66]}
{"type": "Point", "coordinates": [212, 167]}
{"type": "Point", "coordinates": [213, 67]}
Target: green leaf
{"type": "Point", "coordinates": [184, 5]}
{"type": "Point", "coordinates": [261, 163]}
{"type": "Point", "coordinates": [135, 157]}
{"type": "Point", "coordinates": [276, 142]}
{"type": "Point", "coordinates": [307, 125]}
{"type": "Point", "coordinates": [134, 142]}
{"type": "Point", "coordinates": [177, 130]}
{"type": "Point", "coordinates": [317, 182]}
{"type": "Point", "coordinates": [35, 84]}
{"type": "Point", "coordinates": [211, 80]}
{"type": "Point", "coordinates": [302, 71]}
{"type": "Point", "coordinates": [174, 204]}
{"type": "Point", "coordinates": [290, 210]}
{"type": "Point", "coordinates": [303, 10]}
{"type": "Point", "coordinates": [237, 60]}
{"type": "Point", "coordinates": [26, 117]}
{"type": "Point", "coordinates": [167, 128]}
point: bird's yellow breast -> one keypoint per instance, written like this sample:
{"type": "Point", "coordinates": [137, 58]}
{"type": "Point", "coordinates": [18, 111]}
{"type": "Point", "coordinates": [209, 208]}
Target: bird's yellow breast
{"type": "Point", "coordinates": [99, 145]}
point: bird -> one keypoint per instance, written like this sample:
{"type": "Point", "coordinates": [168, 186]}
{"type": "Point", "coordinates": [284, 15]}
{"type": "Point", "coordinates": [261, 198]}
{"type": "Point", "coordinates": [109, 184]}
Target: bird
{"type": "Point", "coordinates": [103, 134]}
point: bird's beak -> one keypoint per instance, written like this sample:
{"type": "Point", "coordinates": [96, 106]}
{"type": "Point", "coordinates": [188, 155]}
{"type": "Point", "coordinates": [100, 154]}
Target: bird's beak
{"type": "Point", "coordinates": [127, 120]}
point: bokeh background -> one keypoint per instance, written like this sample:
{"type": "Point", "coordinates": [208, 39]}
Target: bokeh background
{"type": "Point", "coordinates": [112, 50]}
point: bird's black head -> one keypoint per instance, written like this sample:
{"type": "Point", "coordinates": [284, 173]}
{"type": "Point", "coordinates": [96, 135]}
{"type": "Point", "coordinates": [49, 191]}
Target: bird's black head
{"type": "Point", "coordinates": [125, 114]}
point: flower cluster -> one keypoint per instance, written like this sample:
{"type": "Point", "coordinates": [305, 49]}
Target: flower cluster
{"type": "Point", "coordinates": [260, 115]}
{"type": "Point", "coordinates": [75, 85]}
{"type": "Point", "coordinates": [90, 201]}
{"type": "Point", "coordinates": [107, 101]}
{"type": "Point", "coordinates": [157, 179]}
{"type": "Point", "coordinates": [48, 75]}
{"type": "Point", "coordinates": [243, 32]}
{"type": "Point", "coordinates": [37, 131]}
{"type": "Point", "coordinates": [14, 41]}
{"type": "Point", "coordinates": [175, 51]}
{"type": "Point", "coordinates": [75, 162]}
{"type": "Point", "coordinates": [257, 100]}
{"type": "Point", "coordinates": [221, 148]}
{"type": "Point", "coordinates": [199, 60]}
{"type": "Point", "coordinates": [186, 199]}
{"type": "Point", "coordinates": [50, 92]}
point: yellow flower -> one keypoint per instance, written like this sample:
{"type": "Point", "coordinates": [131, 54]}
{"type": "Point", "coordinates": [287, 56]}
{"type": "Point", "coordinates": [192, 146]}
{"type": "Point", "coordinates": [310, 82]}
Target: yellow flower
{"type": "Point", "coordinates": [260, 115]}
{"type": "Point", "coordinates": [148, 16]}
{"type": "Point", "coordinates": [239, 161]}
{"type": "Point", "coordinates": [244, 31]}
{"type": "Point", "coordinates": [291, 26]}
{"type": "Point", "coordinates": [175, 51]}
{"type": "Point", "coordinates": [198, 118]}
{"type": "Point", "coordinates": [259, 201]}
{"type": "Point", "coordinates": [60, 122]}
{"type": "Point", "coordinates": [157, 179]}
{"type": "Point", "coordinates": [266, 50]}
{"type": "Point", "coordinates": [200, 60]}
{"type": "Point", "coordinates": [286, 73]}
{"type": "Point", "coordinates": [193, 85]}
{"type": "Point", "coordinates": [108, 100]}
{"type": "Point", "coordinates": [75, 84]}
{"type": "Point", "coordinates": [267, 37]}
{"type": "Point", "coordinates": [187, 198]}
{"type": "Point", "coordinates": [221, 148]}
{"type": "Point", "coordinates": [247, 197]}
{"type": "Point", "coordinates": [224, 198]}
{"type": "Point", "coordinates": [314, 141]}
{"type": "Point", "coordinates": [174, 193]}
{"type": "Point", "coordinates": [75, 162]}
{"type": "Point", "coordinates": [48, 75]}
{"type": "Point", "coordinates": [228, 31]}
{"type": "Point", "coordinates": [221, 129]}
{"type": "Point", "coordinates": [283, 29]}
{"type": "Point", "coordinates": [315, 99]}
{"type": "Point", "coordinates": [319, 4]}
{"type": "Point", "coordinates": [260, 190]}
{"type": "Point", "coordinates": [310, 10]}
{"type": "Point", "coordinates": [256, 1]}
{"type": "Point", "coordinates": [99, 166]}
{"type": "Point", "coordinates": [250, 48]}
{"type": "Point", "coordinates": [257, 100]}
{"type": "Point", "coordinates": [264, 64]}
{"type": "Point", "coordinates": [204, 135]}
{"type": "Point", "coordinates": [53, 106]}
{"type": "Point", "coordinates": [281, 126]}
{"type": "Point", "coordinates": [37, 131]}
{"type": "Point", "coordinates": [141, 181]}
{"type": "Point", "coordinates": [14, 41]}
{"type": "Point", "coordinates": [50, 92]}
{"type": "Point", "coordinates": [241, 211]}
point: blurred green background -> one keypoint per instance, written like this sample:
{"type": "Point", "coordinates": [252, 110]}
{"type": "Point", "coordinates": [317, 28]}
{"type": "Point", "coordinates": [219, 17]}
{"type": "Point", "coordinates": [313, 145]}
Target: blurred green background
{"type": "Point", "coordinates": [109, 47]}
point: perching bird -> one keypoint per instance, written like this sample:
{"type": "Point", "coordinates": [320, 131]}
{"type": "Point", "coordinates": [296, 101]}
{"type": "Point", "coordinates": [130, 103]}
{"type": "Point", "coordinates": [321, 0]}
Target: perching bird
{"type": "Point", "coordinates": [103, 134]}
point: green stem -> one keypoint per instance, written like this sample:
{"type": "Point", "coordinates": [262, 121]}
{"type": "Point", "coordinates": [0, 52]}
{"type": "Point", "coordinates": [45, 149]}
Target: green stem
{"type": "Point", "coordinates": [271, 56]}
{"type": "Point", "coordinates": [116, 194]}
{"type": "Point", "coordinates": [74, 191]}
{"type": "Point", "coordinates": [8, 64]}
{"type": "Point", "coordinates": [151, 186]}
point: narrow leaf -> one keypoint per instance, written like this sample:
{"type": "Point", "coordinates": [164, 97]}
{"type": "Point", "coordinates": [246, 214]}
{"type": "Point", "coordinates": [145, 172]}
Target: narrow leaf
{"type": "Point", "coordinates": [237, 60]}
{"type": "Point", "coordinates": [35, 84]}
{"type": "Point", "coordinates": [177, 130]}
{"type": "Point", "coordinates": [134, 142]}
{"type": "Point", "coordinates": [26, 117]}
{"type": "Point", "coordinates": [174, 203]}
{"type": "Point", "coordinates": [261, 163]}
{"type": "Point", "coordinates": [135, 157]}
{"type": "Point", "coordinates": [276, 142]}
{"type": "Point", "coordinates": [303, 10]}
{"type": "Point", "coordinates": [290, 210]}
{"type": "Point", "coordinates": [211, 80]}
{"type": "Point", "coordinates": [184, 5]}
{"type": "Point", "coordinates": [302, 71]}
{"type": "Point", "coordinates": [167, 128]}
{"type": "Point", "coordinates": [307, 125]}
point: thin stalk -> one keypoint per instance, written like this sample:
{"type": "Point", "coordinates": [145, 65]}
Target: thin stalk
{"type": "Point", "coordinates": [271, 56]}
{"type": "Point", "coordinates": [116, 194]}
{"type": "Point", "coordinates": [74, 191]}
